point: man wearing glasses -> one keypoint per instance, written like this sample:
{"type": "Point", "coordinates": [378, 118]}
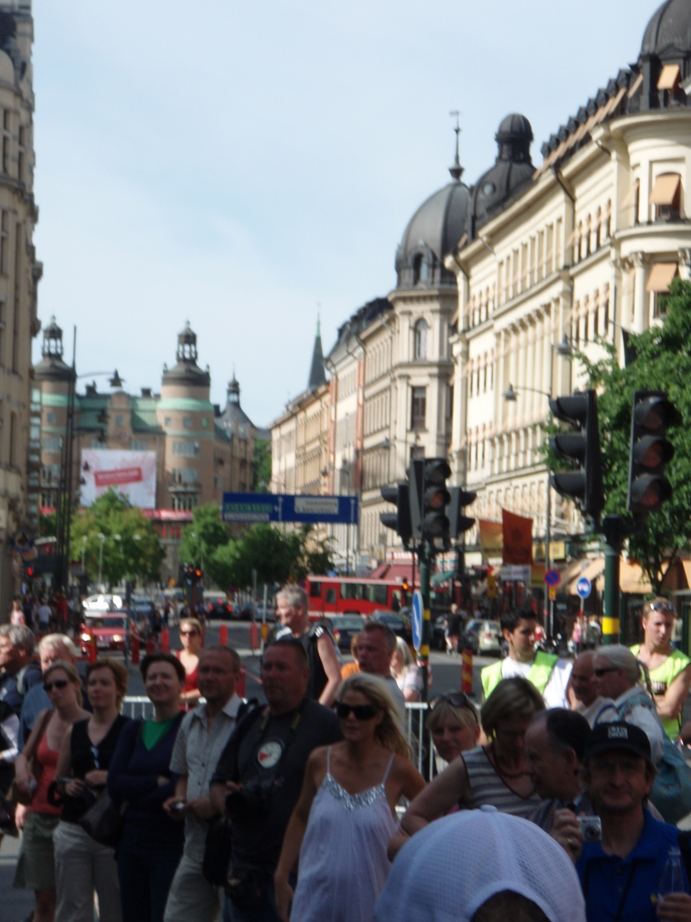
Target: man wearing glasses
{"type": "Point", "coordinates": [617, 675]}
{"type": "Point", "coordinates": [670, 669]}
{"type": "Point", "coordinates": [622, 873]}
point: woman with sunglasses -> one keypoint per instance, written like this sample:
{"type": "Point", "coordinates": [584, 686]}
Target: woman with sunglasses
{"type": "Point", "coordinates": [151, 844]}
{"type": "Point", "coordinates": [34, 773]}
{"type": "Point", "coordinates": [192, 641]}
{"type": "Point", "coordinates": [83, 865]}
{"type": "Point", "coordinates": [454, 726]}
{"type": "Point", "coordinates": [345, 817]}
{"type": "Point", "coordinates": [669, 669]}
{"type": "Point", "coordinates": [496, 774]}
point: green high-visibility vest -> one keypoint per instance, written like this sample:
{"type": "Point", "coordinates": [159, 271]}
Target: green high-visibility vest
{"type": "Point", "coordinates": [539, 674]}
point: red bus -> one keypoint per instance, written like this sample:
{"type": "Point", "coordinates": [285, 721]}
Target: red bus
{"type": "Point", "coordinates": [353, 595]}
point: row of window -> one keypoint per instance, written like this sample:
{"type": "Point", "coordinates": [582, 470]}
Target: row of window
{"type": "Point", "coordinates": [591, 232]}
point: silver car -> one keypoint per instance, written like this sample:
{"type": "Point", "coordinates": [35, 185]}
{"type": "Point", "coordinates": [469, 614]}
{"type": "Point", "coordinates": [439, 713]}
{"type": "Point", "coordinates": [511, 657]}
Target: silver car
{"type": "Point", "coordinates": [483, 636]}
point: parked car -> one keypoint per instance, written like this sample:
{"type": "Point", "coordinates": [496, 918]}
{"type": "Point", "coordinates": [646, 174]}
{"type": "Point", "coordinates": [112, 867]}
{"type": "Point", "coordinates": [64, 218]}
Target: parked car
{"type": "Point", "coordinates": [398, 622]}
{"type": "Point", "coordinates": [109, 629]}
{"type": "Point", "coordinates": [482, 636]}
{"type": "Point", "coordinates": [343, 628]}
{"type": "Point", "coordinates": [103, 602]}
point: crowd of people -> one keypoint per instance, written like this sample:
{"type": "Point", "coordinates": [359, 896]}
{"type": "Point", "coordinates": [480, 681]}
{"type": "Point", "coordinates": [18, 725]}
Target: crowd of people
{"type": "Point", "coordinates": [557, 799]}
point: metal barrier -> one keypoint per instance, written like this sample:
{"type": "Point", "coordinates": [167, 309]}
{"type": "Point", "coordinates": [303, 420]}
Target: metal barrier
{"type": "Point", "coordinates": [423, 752]}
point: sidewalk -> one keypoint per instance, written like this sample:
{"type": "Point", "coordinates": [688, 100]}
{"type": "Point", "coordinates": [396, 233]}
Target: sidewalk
{"type": "Point", "coordinates": [16, 904]}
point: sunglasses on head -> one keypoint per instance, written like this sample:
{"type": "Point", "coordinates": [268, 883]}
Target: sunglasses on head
{"type": "Point", "coordinates": [56, 683]}
{"type": "Point", "coordinates": [456, 700]}
{"type": "Point", "coordinates": [359, 711]}
{"type": "Point", "coordinates": [662, 606]}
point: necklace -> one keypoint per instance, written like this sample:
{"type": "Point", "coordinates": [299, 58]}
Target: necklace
{"type": "Point", "coordinates": [501, 771]}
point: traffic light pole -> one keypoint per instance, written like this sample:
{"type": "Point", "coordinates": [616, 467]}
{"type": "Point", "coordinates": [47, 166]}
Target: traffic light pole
{"type": "Point", "coordinates": [423, 656]}
{"type": "Point", "coordinates": [615, 531]}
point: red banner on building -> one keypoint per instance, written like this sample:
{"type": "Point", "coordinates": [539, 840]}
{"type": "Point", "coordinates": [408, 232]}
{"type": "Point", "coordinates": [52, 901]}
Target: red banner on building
{"type": "Point", "coordinates": [518, 538]}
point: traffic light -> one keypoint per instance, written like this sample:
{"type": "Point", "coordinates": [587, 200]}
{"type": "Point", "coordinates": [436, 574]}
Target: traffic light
{"type": "Point", "coordinates": [459, 523]}
{"type": "Point", "coordinates": [198, 575]}
{"type": "Point", "coordinates": [399, 521]}
{"type": "Point", "coordinates": [433, 497]}
{"type": "Point", "coordinates": [650, 451]}
{"type": "Point", "coordinates": [582, 447]}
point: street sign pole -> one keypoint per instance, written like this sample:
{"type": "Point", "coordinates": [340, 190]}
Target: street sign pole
{"type": "Point", "coordinates": [614, 529]}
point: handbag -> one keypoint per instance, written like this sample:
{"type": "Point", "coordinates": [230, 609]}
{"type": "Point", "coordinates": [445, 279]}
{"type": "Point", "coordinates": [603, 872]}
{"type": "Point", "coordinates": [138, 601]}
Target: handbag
{"type": "Point", "coordinates": [103, 820]}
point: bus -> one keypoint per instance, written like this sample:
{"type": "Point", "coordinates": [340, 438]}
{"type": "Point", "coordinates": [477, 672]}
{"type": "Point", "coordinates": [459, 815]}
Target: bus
{"type": "Point", "coordinates": [353, 595]}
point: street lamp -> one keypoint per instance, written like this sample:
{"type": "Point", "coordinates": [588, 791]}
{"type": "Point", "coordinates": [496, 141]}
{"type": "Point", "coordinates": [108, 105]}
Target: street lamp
{"type": "Point", "coordinates": [101, 537]}
{"type": "Point", "coordinates": [564, 348]}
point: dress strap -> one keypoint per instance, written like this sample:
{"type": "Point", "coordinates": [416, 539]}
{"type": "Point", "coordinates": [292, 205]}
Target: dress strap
{"type": "Point", "coordinates": [388, 769]}
{"type": "Point", "coordinates": [328, 761]}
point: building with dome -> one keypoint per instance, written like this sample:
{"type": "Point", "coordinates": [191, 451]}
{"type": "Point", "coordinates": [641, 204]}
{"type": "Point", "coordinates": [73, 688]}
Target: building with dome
{"type": "Point", "coordinates": [20, 273]}
{"type": "Point", "coordinates": [582, 245]}
{"type": "Point", "coordinates": [201, 450]}
{"type": "Point", "coordinates": [495, 284]}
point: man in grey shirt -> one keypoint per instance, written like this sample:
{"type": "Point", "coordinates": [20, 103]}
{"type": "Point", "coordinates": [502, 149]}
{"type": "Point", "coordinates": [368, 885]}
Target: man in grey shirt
{"type": "Point", "coordinates": [201, 740]}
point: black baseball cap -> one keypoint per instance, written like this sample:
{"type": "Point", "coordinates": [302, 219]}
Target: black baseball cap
{"type": "Point", "coordinates": [618, 736]}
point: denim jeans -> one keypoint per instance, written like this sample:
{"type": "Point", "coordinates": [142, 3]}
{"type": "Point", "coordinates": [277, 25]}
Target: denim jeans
{"type": "Point", "coordinates": [146, 870]}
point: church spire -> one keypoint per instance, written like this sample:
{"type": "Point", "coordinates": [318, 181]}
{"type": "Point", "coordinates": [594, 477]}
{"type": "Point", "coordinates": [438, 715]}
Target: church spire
{"type": "Point", "coordinates": [317, 372]}
{"type": "Point", "coordinates": [456, 169]}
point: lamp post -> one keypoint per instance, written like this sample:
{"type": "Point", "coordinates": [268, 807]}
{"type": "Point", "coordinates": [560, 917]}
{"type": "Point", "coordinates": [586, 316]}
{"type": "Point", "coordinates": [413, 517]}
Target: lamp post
{"type": "Point", "coordinates": [564, 348]}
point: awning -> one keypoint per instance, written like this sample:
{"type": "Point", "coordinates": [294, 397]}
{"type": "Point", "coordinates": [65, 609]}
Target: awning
{"type": "Point", "coordinates": [669, 77]}
{"type": "Point", "coordinates": [661, 276]}
{"type": "Point", "coordinates": [666, 189]}
{"type": "Point", "coordinates": [632, 579]}
{"type": "Point", "coordinates": [441, 577]}
{"type": "Point", "coordinates": [686, 564]}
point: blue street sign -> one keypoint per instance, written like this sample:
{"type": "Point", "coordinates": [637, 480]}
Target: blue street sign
{"type": "Point", "coordinates": [584, 587]}
{"type": "Point", "coordinates": [417, 619]}
{"type": "Point", "coordinates": [552, 578]}
{"type": "Point", "coordinates": [286, 507]}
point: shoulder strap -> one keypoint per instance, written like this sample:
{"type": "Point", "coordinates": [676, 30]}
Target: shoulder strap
{"type": "Point", "coordinates": [388, 768]}
{"type": "Point", "coordinates": [30, 751]}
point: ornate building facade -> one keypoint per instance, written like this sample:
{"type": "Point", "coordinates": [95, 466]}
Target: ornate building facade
{"type": "Point", "coordinates": [20, 273]}
{"type": "Point", "coordinates": [201, 449]}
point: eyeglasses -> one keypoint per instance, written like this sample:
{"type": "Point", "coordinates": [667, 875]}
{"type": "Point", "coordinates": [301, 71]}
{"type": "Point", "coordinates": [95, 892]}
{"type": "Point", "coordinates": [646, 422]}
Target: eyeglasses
{"type": "Point", "coordinates": [598, 673]}
{"type": "Point", "coordinates": [661, 606]}
{"type": "Point", "coordinates": [56, 683]}
{"type": "Point", "coordinates": [359, 711]}
{"type": "Point", "coordinates": [456, 700]}
{"type": "Point", "coordinates": [188, 633]}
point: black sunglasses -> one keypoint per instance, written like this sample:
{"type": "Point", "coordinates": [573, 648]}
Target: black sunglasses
{"type": "Point", "coordinates": [456, 700]}
{"type": "Point", "coordinates": [359, 711]}
{"type": "Point", "coordinates": [662, 606]}
{"type": "Point", "coordinates": [56, 683]}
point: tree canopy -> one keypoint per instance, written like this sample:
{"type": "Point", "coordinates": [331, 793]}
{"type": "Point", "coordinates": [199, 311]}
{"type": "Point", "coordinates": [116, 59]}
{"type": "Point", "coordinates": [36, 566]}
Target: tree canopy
{"type": "Point", "coordinates": [662, 362]}
{"type": "Point", "coordinates": [130, 545]}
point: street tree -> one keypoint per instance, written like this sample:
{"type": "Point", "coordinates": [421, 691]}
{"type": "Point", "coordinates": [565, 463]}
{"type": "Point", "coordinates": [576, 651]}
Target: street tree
{"type": "Point", "coordinates": [203, 536]}
{"type": "Point", "coordinates": [130, 547]}
{"type": "Point", "coordinates": [662, 362]}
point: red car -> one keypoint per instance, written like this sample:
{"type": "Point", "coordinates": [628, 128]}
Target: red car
{"type": "Point", "coordinates": [109, 629]}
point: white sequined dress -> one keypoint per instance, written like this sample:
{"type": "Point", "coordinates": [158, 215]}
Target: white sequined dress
{"type": "Point", "coordinates": [343, 863]}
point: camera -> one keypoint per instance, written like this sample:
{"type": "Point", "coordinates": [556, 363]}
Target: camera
{"type": "Point", "coordinates": [250, 801]}
{"type": "Point", "coordinates": [591, 828]}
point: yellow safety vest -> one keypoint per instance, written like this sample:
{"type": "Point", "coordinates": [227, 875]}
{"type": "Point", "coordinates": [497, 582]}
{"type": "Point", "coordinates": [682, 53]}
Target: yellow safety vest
{"type": "Point", "coordinates": [539, 674]}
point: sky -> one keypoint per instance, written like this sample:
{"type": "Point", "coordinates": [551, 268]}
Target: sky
{"type": "Point", "coordinates": [250, 166]}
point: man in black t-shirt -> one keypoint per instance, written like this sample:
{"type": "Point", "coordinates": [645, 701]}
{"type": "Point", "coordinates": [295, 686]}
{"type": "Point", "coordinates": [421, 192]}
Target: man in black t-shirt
{"type": "Point", "coordinates": [258, 779]}
{"type": "Point", "coordinates": [292, 610]}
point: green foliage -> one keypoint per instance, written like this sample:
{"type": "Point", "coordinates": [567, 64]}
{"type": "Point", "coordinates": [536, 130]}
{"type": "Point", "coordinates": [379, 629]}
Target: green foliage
{"type": "Point", "coordinates": [47, 525]}
{"type": "Point", "coordinates": [663, 362]}
{"type": "Point", "coordinates": [203, 536]}
{"type": "Point", "coordinates": [261, 477]}
{"type": "Point", "coordinates": [137, 553]}
{"type": "Point", "coordinates": [277, 557]}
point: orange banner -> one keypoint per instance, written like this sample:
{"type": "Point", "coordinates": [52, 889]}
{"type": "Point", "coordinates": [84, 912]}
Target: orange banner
{"type": "Point", "coordinates": [518, 538]}
{"type": "Point", "coordinates": [491, 538]}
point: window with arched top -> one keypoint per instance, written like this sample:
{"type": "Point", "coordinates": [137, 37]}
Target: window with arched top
{"type": "Point", "coordinates": [420, 340]}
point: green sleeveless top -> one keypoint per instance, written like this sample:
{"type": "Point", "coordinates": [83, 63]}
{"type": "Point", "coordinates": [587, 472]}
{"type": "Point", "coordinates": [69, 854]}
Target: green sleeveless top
{"type": "Point", "coordinates": [661, 678]}
{"type": "Point", "coordinates": [539, 674]}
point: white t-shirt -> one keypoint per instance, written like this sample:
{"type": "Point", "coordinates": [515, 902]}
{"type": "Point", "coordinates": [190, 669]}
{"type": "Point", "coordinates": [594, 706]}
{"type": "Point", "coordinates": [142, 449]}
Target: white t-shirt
{"type": "Point", "coordinates": [555, 690]}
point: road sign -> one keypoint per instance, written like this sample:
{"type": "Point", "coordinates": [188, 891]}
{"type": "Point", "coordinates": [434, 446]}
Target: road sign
{"type": "Point", "coordinates": [552, 593]}
{"type": "Point", "coordinates": [417, 619]}
{"type": "Point", "coordinates": [584, 587]}
{"type": "Point", "coordinates": [552, 578]}
{"type": "Point", "coordinates": [285, 507]}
